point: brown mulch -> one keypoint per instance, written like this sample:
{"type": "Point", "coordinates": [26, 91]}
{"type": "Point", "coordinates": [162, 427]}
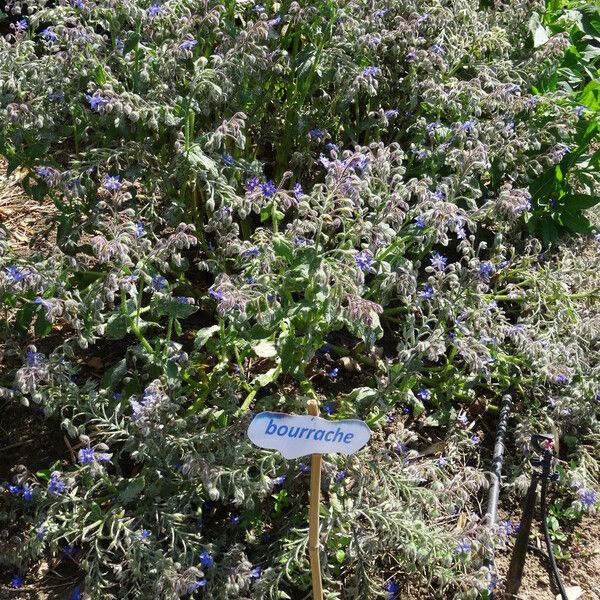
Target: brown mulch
{"type": "Point", "coordinates": [28, 222]}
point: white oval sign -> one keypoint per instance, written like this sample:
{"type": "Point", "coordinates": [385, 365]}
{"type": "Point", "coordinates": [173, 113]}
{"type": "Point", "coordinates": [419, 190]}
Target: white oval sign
{"type": "Point", "coordinates": [299, 435]}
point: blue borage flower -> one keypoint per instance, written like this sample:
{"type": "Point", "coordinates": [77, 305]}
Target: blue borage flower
{"type": "Point", "coordinates": [188, 44]}
{"type": "Point", "coordinates": [328, 408]}
{"type": "Point", "coordinates": [255, 573]}
{"type": "Point", "coordinates": [588, 498]}
{"type": "Point", "coordinates": [111, 183]}
{"type": "Point", "coordinates": [75, 594]}
{"type": "Point", "coordinates": [463, 547]}
{"type": "Point", "coordinates": [424, 394]}
{"type": "Point", "coordinates": [196, 585]}
{"type": "Point", "coordinates": [155, 10]}
{"type": "Point", "coordinates": [87, 456]}
{"type": "Point", "coordinates": [20, 26]}
{"type": "Point", "coordinates": [206, 560]}
{"type": "Point", "coordinates": [50, 35]}
{"type": "Point", "coordinates": [438, 262]}
{"type": "Point", "coordinates": [56, 485]}
{"type": "Point", "coordinates": [234, 520]}
{"type": "Point", "coordinates": [17, 582]}
{"type": "Point", "coordinates": [392, 588]}
{"type": "Point", "coordinates": [228, 159]}
{"type": "Point", "coordinates": [364, 260]}
{"type": "Point", "coordinates": [142, 534]}
{"type": "Point", "coordinates": [304, 468]}
{"type": "Point", "coordinates": [17, 274]}
{"type": "Point", "coordinates": [248, 252]}
{"type": "Point", "coordinates": [339, 476]}
{"type": "Point", "coordinates": [427, 292]}
{"type": "Point", "coordinates": [159, 283]}
{"type": "Point", "coordinates": [371, 71]}
{"type": "Point", "coordinates": [279, 480]}
{"type": "Point", "coordinates": [97, 101]}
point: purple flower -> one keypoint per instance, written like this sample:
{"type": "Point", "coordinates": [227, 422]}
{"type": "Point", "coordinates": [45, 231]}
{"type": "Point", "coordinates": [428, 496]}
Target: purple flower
{"type": "Point", "coordinates": [258, 8]}
{"type": "Point", "coordinates": [410, 57]}
{"type": "Point", "coordinates": [252, 184]}
{"type": "Point", "coordinates": [588, 498]}
{"type": "Point", "coordinates": [188, 44]}
{"type": "Point", "coordinates": [142, 534]}
{"type": "Point", "coordinates": [392, 588]}
{"type": "Point", "coordinates": [419, 221]}
{"type": "Point", "coordinates": [506, 527]}
{"type": "Point", "coordinates": [279, 480]}
{"type": "Point", "coordinates": [371, 71]}
{"type": "Point", "coordinates": [437, 49]}
{"type": "Point", "coordinates": [340, 475]}
{"type": "Point", "coordinates": [333, 373]}
{"type": "Point", "coordinates": [316, 133]}
{"type": "Point", "coordinates": [97, 101]}
{"type": "Point", "coordinates": [86, 456]}
{"type": "Point", "coordinates": [111, 183]}
{"type": "Point", "coordinates": [462, 419]}
{"type": "Point", "coordinates": [328, 408]}
{"type": "Point", "coordinates": [56, 96]}
{"type": "Point", "coordinates": [234, 520]}
{"type": "Point", "coordinates": [56, 485]}
{"type": "Point", "coordinates": [17, 274]}
{"type": "Point", "coordinates": [423, 394]}
{"type": "Point", "coordinates": [268, 189]}
{"type": "Point", "coordinates": [467, 126]}
{"type": "Point", "coordinates": [255, 573]}
{"type": "Point", "coordinates": [363, 260]}
{"type": "Point", "coordinates": [159, 283]}
{"type": "Point", "coordinates": [75, 594]}
{"type": "Point", "coordinates": [304, 467]}
{"type": "Point", "coordinates": [475, 439]}
{"type": "Point", "coordinates": [253, 251]}
{"type": "Point", "coordinates": [34, 358]}
{"type": "Point", "coordinates": [155, 10]}
{"type": "Point", "coordinates": [392, 113]}
{"type": "Point", "coordinates": [216, 295]}
{"type": "Point", "coordinates": [441, 461]}
{"type": "Point", "coordinates": [485, 270]}
{"type": "Point", "coordinates": [228, 159]}
{"type": "Point", "coordinates": [427, 292]}
{"type": "Point", "coordinates": [69, 550]}
{"type": "Point", "coordinates": [579, 110]}
{"type": "Point", "coordinates": [50, 35]}
{"type": "Point", "coordinates": [16, 582]}
{"type": "Point", "coordinates": [199, 583]}
{"type": "Point", "coordinates": [438, 262]}
{"type": "Point", "coordinates": [298, 193]}
{"type": "Point", "coordinates": [431, 127]}
{"type": "Point", "coordinates": [20, 25]}
{"type": "Point", "coordinates": [206, 560]}
{"type": "Point", "coordinates": [44, 172]}
{"type": "Point", "coordinates": [380, 12]}
{"type": "Point", "coordinates": [463, 547]}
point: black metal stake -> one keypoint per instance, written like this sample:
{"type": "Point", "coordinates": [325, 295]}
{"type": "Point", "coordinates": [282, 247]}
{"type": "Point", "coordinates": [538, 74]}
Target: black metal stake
{"type": "Point", "coordinates": [543, 445]}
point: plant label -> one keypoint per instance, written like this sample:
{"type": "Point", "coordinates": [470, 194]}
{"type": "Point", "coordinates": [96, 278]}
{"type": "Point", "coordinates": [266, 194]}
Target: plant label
{"type": "Point", "coordinates": [299, 435]}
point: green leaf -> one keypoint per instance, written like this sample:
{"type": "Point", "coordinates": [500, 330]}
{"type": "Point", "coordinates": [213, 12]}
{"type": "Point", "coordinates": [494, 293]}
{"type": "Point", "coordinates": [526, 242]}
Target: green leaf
{"type": "Point", "coordinates": [133, 490]}
{"type": "Point", "coordinates": [132, 42]}
{"type": "Point", "coordinates": [42, 326]}
{"type": "Point", "coordinates": [117, 327]}
{"type": "Point", "coordinates": [576, 222]}
{"type": "Point", "coordinates": [100, 75]}
{"type": "Point", "coordinates": [590, 95]}
{"type": "Point", "coordinates": [25, 316]}
{"type": "Point", "coordinates": [265, 349]}
{"type": "Point", "coordinates": [114, 375]}
{"type": "Point", "coordinates": [266, 378]}
{"type": "Point", "coordinates": [340, 556]}
{"type": "Point", "coordinates": [538, 31]}
{"type": "Point", "coordinates": [172, 307]}
{"type": "Point", "coordinates": [283, 247]}
{"type": "Point", "coordinates": [579, 201]}
{"type": "Point", "coordinates": [203, 335]}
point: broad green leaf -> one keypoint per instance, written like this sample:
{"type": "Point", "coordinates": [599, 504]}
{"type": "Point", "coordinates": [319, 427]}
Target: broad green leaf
{"type": "Point", "coordinates": [114, 375]}
{"type": "Point", "coordinates": [172, 307]}
{"type": "Point", "coordinates": [42, 326]}
{"type": "Point", "coordinates": [265, 349]}
{"type": "Point", "coordinates": [203, 335]}
{"type": "Point", "coordinates": [117, 327]}
{"type": "Point", "coordinates": [132, 42]}
{"type": "Point", "coordinates": [579, 201]}
{"type": "Point", "coordinates": [538, 31]}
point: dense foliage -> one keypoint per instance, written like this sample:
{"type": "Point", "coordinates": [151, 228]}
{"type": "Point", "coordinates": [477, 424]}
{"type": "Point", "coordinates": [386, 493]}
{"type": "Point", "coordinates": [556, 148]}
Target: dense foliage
{"type": "Point", "coordinates": [260, 204]}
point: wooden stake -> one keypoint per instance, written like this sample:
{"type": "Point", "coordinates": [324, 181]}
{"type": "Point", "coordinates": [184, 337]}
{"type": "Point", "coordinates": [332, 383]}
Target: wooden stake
{"type": "Point", "coordinates": [313, 512]}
